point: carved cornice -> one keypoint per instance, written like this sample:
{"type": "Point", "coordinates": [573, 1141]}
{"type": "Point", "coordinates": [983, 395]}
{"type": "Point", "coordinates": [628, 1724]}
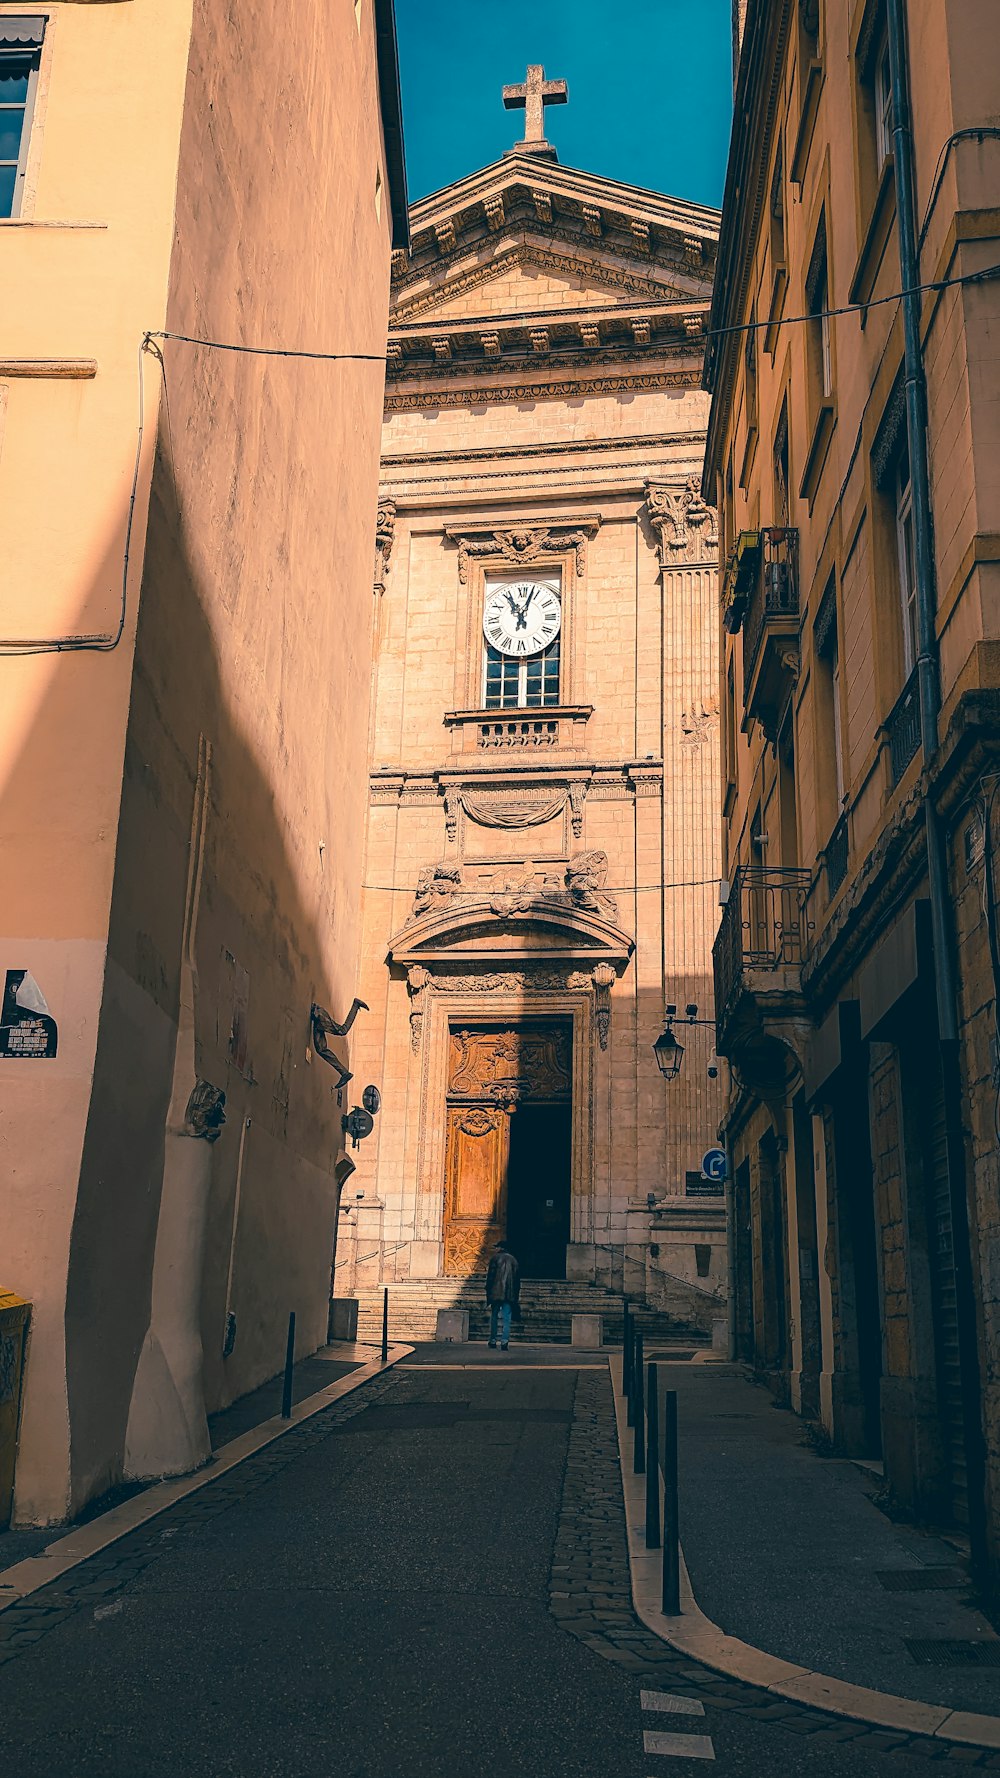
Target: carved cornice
{"type": "Point", "coordinates": [524, 543]}
{"type": "Point", "coordinates": [548, 390]}
{"type": "Point", "coordinates": [598, 982]}
{"type": "Point", "coordinates": [685, 527]}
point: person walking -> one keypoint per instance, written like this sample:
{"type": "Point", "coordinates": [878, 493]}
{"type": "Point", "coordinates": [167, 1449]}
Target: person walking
{"type": "Point", "coordinates": [503, 1291]}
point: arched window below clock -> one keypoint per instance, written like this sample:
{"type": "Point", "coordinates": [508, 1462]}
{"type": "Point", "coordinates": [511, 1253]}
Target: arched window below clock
{"type": "Point", "coordinates": [522, 620]}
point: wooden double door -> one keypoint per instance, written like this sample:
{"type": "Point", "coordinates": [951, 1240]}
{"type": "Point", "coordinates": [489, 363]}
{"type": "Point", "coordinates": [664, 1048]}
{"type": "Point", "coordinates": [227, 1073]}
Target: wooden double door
{"type": "Point", "coordinates": [507, 1170]}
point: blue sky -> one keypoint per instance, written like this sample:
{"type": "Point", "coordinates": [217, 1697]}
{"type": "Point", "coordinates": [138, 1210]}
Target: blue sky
{"type": "Point", "coordinates": [650, 87]}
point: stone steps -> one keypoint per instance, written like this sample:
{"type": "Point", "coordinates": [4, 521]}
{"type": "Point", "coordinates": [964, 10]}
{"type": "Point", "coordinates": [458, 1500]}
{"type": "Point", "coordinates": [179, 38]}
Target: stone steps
{"type": "Point", "coordinates": [547, 1307]}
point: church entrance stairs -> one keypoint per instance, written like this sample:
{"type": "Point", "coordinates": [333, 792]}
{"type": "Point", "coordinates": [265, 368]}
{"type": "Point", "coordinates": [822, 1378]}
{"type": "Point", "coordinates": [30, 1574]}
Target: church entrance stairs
{"type": "Point", "coordinates": [547, 1306]}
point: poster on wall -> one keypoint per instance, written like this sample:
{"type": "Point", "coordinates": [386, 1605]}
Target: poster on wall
{"type": "Point", "coordinates": [28, 1032]}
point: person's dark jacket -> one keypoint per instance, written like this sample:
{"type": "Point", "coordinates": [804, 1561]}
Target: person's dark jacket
{"type": "Point", "coordinates": [503, 1280]}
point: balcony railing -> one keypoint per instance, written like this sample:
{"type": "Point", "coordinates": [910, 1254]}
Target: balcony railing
{"type": "Point", "coordinates": [903, 728]}
{"type": "Point", "coordinates": [765, 927]}
{"type": "Point", "coordinates": [835, 857]}
{"type": "Point", "coordinates": [774, 598]}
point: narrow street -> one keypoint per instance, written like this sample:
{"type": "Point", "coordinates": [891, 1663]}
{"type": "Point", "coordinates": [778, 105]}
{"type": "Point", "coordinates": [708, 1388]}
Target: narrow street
{"type": "Point", "coordinates": [428, 1579]}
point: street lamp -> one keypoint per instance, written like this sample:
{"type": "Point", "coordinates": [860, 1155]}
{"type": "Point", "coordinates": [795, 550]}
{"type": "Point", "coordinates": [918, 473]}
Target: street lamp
{"type": "Point", "coordinates": [668, 1052]}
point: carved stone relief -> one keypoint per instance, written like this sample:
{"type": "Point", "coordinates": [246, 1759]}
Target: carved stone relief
{"type": "Point", "coordinates": [698, 721]}
{"type": "Point", "coordinates": [522, 544]}
{"type": "Point", "coordinates": [683, 523]}
{"type": "Point", "coordinates": [506, 1066]}
{"type": "Point", "coordinates": [435, 884]}
{"type": "Point", "coordinates": [385, 531]}
{"type": "Point", "coordinates": [516, 812]}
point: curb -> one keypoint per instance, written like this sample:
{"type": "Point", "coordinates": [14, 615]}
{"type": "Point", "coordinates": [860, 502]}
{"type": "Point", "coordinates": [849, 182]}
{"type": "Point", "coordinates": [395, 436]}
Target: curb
{"type": "Point", "coordinates": [75, 1547]}
{"type": "Point", "coordinates": [695, 1635]}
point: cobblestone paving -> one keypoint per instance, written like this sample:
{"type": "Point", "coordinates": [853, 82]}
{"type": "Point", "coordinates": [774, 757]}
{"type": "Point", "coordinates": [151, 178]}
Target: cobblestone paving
{"type": "Point", "coordinates": [590, 1596]}
{"type": "Point", "coordinates": [102, 1576]}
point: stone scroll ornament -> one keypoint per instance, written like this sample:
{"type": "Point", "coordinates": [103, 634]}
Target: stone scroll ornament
{"type": "Point", "coordinates": [385, 531]}
{"type": "Point", "coordinates": [418, 980]}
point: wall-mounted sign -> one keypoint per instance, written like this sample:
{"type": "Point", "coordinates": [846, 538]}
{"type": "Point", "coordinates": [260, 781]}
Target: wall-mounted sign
{"type": "Point", "coordinates": [713, 1164]}
{"type": "Point", "coordinates": [28, 1032]}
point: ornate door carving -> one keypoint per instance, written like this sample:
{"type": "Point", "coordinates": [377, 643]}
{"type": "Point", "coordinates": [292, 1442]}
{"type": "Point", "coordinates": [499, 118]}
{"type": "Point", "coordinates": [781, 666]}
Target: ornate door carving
{"type": "Point", "coordinates": [475, 1210]}
{"type": "Point", "coordinates": [530, 1062]}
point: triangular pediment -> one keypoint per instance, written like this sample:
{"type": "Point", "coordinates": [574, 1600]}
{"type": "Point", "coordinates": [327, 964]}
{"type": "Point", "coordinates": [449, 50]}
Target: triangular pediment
{"type": "Point", "coordinates": [601, 240]}
{"type": "Point", "coordinates": [531, 277]}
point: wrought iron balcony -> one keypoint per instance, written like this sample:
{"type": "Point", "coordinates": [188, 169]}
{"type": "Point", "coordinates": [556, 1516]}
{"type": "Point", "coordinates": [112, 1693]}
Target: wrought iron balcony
{"type": "Point", "coordinates": [762, 597]}
{"type": "Point", "coordinates": [762, 942]}
{"type": "Point", "coordinates": [903, 728]}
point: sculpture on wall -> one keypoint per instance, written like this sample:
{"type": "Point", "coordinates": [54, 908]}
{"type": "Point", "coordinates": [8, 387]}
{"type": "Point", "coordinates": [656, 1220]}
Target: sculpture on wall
{"type": "Point", "coordinates": [586, 875]}
{"type": "Point", "coordinates": [434, 885]}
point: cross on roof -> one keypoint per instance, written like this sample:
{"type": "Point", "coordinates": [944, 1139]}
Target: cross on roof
{"type": "Point", "coordinates": [531, 97]}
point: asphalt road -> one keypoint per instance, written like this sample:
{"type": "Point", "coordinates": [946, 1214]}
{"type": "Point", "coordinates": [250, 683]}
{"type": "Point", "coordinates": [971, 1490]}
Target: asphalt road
{"type": "Point", "coordinates": [430, 1586]}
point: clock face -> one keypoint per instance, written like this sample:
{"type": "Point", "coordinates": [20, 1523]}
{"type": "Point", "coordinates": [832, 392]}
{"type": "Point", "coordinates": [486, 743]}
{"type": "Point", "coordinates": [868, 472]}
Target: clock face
{"type": "Point", "coordinates": [522, 619]}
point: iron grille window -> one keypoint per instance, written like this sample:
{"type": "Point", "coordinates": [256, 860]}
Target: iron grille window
{"type": "Point", "coordinates": [20, 54]}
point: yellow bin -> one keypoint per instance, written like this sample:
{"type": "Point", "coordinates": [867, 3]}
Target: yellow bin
{"type": "Point", "coordinates": [14, 1316]}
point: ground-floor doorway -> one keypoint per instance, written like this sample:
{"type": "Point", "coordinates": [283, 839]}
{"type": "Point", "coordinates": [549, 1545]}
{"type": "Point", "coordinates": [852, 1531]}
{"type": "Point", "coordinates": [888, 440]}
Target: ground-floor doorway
{"type": "Point", "coordinates": [509, 1143]}
{"type": "Point", "coordinates": [538, 1181]}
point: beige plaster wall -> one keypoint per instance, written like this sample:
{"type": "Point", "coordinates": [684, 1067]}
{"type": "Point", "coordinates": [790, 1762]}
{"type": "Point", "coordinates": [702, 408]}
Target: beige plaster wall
{"type": "Point", "coordinates": [254, 632]}
{"type": "Point", "coordinates": [97, 227]}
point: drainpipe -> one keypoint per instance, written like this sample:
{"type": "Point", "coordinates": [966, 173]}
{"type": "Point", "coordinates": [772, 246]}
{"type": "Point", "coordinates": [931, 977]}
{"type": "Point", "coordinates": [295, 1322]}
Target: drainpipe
{"type": "Point", "coordinates": [929, 689]}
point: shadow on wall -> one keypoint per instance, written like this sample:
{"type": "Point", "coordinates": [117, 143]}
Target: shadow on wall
{"type": "Point", "coordinates": [263, 953]}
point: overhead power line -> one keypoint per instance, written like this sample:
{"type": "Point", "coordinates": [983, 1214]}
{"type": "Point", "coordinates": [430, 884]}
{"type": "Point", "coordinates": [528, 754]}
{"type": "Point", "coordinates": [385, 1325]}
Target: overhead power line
{"type": "Point", "coordinates": [105, 643]}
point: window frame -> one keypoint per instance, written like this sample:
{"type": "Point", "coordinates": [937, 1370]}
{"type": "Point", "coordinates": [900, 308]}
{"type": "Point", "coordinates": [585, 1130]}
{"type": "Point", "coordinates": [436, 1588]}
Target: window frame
{"type": "Point", "coordinates": [492, 580]}
{"type": "Point", "coordinates": [30, 52]}
{"type": "Point", "coordinates": [882, 100]}
{"type": "Point", "coordinates": [902, 499]}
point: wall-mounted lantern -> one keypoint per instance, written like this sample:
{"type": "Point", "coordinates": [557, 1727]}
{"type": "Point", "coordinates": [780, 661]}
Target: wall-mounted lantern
{"type": "Point", "coordinates": [668, 1052]}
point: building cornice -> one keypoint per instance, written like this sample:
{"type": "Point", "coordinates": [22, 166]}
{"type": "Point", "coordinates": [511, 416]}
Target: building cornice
{"type": "Point", "coordinates": [391, 109]}
{"type": "Point", "coordinates": [547, 389]}
{"type": "Point", "coordinates": [755, 109]}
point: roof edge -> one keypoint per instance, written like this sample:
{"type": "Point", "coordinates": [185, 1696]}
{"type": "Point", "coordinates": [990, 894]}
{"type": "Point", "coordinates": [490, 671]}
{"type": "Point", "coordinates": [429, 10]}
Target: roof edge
{"type": "Point", "coordinates": [391, 108]}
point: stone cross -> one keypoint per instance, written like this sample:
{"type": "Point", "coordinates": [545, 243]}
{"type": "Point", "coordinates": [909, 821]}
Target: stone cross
{"type": "Point", "coordinates": [531, 97]}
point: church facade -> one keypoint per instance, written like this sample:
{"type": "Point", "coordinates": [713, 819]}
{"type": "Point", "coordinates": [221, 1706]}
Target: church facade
{"type": "Point", "coordinates": [541, 868]}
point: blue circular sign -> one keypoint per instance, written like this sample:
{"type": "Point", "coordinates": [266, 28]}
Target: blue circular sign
{"type": "Point", "coordinates": [713, 1163]}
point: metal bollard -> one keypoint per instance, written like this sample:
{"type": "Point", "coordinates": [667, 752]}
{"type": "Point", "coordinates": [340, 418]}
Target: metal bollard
{"type": "Point", "coordinates": [626, 1348]}
{"type": "Point", "coordinates": [638, 1386]}
{"type": "Point", "coordinates": [652, 1460]}
{"type": "Point", "coordinates": [286, 1393]}
{"type": "Point", "coordinates": [671, 1545]}
{"type": "Point", "coordinates": [385, 1325]}
{"type": "Point", "coordinates": [630, 1392]}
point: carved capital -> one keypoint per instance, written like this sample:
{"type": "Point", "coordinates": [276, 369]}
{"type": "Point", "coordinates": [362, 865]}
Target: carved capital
{"type": "Point", "coordinates": [417, 980]}
{"type": "Point", "coordinates": [604, 979]}
{"type": "Point", "coordinates": [683, 523]}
